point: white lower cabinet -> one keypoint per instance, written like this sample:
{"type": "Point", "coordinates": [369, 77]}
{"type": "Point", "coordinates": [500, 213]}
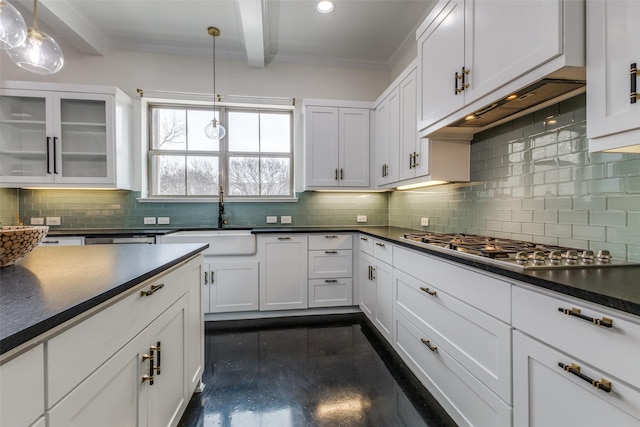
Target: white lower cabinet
{"type": "Point", "coordinates": [231, 286]}
{"type": "Point", "coordinates": [63, 241]}
{"type": "Point", "coordinates": [466, 400]}
{"type": "Point", "coordinates": [283, 271]}
{"type": "Point", "coordinates": [376, 299]}
{"type": "Point", "coordinates": [545, 394]}
{"type": "Point", "coordinates": [330, 270]}
{"type": "Point", "coordinates": [142, 384]}
{"type": "Point", "coordinates": [22, 388]}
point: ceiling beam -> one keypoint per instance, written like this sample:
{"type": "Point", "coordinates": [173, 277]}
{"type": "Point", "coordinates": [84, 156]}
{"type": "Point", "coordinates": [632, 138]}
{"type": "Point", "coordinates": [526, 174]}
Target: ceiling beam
{"type": "Point", "coordinates": [253, 14]}
{"type": "Point", "coordinates": [65, 21]}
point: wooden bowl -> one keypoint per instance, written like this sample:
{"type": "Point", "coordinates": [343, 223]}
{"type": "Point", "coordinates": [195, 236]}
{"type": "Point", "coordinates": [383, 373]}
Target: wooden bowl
{"type": "Point", "coordinates": [17, 241]}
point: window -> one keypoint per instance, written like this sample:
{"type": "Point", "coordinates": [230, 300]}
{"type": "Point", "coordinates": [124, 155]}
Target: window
{"type": "Point", "coordinates": [253, 160]}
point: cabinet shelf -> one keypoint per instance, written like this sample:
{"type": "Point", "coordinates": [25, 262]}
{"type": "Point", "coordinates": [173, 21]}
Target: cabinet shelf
{"type": "Point", "coordinates": [79, 154]}
{"type": "Point", "coordinates": [26, 155]}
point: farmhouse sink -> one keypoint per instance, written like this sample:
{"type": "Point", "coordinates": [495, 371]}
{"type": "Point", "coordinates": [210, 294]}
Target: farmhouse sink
{"type": "Point", "coordinates": [221, 242]}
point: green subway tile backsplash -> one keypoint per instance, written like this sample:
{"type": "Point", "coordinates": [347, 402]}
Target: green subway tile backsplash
{"type": "Point", "coordinates": [121, 209]}
{"type": "Point", "coordinates": [555, 191]}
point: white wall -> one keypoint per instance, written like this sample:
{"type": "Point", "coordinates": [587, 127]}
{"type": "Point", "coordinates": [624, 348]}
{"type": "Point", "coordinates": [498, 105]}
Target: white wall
{"type": "Point", "coordinates": [152, 71]}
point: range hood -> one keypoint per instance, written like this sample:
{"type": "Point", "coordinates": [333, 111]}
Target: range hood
{"type": "Point", "coordinates": [524, 101]}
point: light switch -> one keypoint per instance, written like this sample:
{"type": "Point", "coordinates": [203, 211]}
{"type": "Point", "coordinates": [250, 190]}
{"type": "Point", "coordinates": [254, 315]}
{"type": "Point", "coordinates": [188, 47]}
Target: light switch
{"type": "Point", "coordinates": [285, 220]}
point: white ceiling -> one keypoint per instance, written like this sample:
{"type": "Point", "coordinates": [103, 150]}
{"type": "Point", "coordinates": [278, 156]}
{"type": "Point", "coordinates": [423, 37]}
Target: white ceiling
{"type": "Point", "coordinates": [359, 33]}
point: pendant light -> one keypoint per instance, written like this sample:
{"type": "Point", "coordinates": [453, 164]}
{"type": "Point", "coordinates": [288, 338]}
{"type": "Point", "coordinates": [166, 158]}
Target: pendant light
{"type": "Point", "coordinates": [40, 53]}
{"type": "Point", "coordinates": [13, 30]}
{"type": "Point", "coordinates": [214, 129]}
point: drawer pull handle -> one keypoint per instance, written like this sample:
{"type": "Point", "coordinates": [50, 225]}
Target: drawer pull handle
{"type": "Point", "coordinates": [634, 72]}
{"type": "Point", "coordinates": [284, 238]}
{"type": "Point", "coordinates": [150, 358]}
{"type": "Point", "coordinates": [429, 345]}
{"type": "Point", "coordinates": [330, 252]}
{"type": "Point", "coordinates": [51, 242]}
{"type": "Point", "coordinates": [364, 238]}
{"type": "Point", "coordinates": [153, 290]}
{"type": "Point", "coordinates": [429, 291]}
{"type": "Point", "coordinates": [206, 281]}
{"type": "Point", "coordinates": [380, 244]}
{"type": "Point", "coordinates": [604, 322]}
{"type": "Point", "coordinates": [331, 281]}
{"type": "Point", "coordinates": [156, 348]}
{"type": "Point", "coordinates": [331, 237]}
{"type": "Point", "coordinates": [604, 385]}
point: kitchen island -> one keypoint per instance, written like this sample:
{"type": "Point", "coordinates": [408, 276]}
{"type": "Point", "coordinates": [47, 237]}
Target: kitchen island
{"type": "Point", "coordinates": [87, 327]}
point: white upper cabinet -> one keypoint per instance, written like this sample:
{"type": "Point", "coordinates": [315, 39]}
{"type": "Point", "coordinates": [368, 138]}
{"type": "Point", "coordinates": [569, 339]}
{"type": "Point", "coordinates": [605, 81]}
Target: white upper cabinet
{"type": "Point", "coordinates": [613, 52]}
{"type": "Point", "coordinates": [336, 147]}
{"type": "Point", "coordinates": [474, 52]}
{"type": "Point", "coordinates": [387, 154]}
{"type": "Point", "coordinates": [62, 136]}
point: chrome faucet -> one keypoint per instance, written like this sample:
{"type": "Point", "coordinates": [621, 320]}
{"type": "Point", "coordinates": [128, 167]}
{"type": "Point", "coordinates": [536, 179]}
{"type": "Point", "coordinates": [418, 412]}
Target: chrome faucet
{"type": "Point", "coordinates": [221, 222]}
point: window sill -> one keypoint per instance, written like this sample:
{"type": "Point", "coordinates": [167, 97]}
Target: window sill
{"type": "Point", "coordinates": [215, 200]}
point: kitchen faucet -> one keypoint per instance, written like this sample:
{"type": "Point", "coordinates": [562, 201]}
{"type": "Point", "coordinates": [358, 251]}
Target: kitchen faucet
{"type": "Point", "coordinates": [220, 207]}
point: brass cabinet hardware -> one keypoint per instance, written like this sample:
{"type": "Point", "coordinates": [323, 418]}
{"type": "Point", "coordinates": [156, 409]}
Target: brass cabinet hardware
{"type": "Point", "coordinates": [429, 345]}
{"type": "Point", "coordinates": [410, 161]}
{"type": "Point", "coordinates": [634, 72]}
{"type": "Point", "coordinates": [330, 252]}
{"type": "Point", "coordinates": [364, 238]}
{"type": "Point", "coordinates": [380, 244]}
{"type": "Point", "coordinates": [152, 290]}
{"type": "Point", "coordinates": [604, 322]}
{"type": "Point", "coordinates": [156, 348]}
{"type": "Point", "coordinates": [604, 385]}
{"type": "Point", "coordinates": [415, 160]}
{"type": "Point", "coordinates": [373, 273]}
{"type": "Point", "coordinates": [456, 78]}
{"type": "Point", "coordinates": [429, 291]}
{"type": "Point", "coordinates": [465, 72]}
{"type": "Point", "coordinates": [150, 358]}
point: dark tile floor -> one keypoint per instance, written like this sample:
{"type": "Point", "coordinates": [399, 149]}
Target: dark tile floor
{"type": "Point", "coordinates": [326, 374]}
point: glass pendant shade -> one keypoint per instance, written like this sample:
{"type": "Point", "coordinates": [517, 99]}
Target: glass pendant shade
{"type": "Point", "coordinates": [13, 30]}
{"type": "Point", "coordinates": [39, 54]}
{"type": "Point", "coordinates": [215, 130]}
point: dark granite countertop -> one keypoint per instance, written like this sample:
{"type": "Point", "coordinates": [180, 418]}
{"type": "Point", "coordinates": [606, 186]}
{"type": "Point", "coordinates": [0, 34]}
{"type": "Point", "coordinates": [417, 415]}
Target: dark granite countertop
{"type": "Point", "coordinates": [614, 287]}
{"type": "Point", "coordinates": [51, 285]}
{"type": "Point", "coordinates": [114, 232]}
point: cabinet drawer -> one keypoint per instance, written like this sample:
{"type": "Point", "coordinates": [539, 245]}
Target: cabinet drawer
{"type": "Point", "coordinates": [22, 388]}
{"type": "Point", "coordinates": [330, 264]}
{"type": "Point", "coordinates": [330, 241]}
{"type": "Point", "coordinates": [484, 292]}
{"type": "Point", "coordinates": [366, 244]}
{"type": "Point", "coordinates": [613, 349]}
{"type": "Point", "coordinates": [547, 395]}
{"type": "Point", "coordinates": [466, 400]}
{"type": "Point", "coordinates": [105, 332]}
{"type": "Point", "coordinates": [63, 241]}
{"type": "Point", "coordinates": [476, 340]}
{"type": "Point", "coordinates": [330, 292]}
{"type": "Point", "coordinates": [383, 251]}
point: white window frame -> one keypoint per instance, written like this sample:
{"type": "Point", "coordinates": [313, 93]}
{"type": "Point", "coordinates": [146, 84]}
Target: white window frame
{"type": "Point", "coordinates": [147, 151]}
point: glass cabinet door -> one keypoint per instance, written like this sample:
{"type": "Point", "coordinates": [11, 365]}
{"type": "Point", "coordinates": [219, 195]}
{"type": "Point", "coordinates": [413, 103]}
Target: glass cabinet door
{"type": "Point", "coordinates": [26, 146]}
{"type": "Point", "coordinates": [84, 137]}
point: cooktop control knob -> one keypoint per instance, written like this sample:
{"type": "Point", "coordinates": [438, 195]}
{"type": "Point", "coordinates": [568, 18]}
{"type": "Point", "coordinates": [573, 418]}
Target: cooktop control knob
{"type": "Point", "coordinates": [522, 258]}
{"type": "Point", "coordinates": [555, 257]}
{"type": "Point", "coordinates": [604, 256]}
{"type": "Point", "coordinates": [539, 257]}
{"type": "Point", "coordinates": [587, 257]}
{"type": "Point", "coordinates": [572, 257]}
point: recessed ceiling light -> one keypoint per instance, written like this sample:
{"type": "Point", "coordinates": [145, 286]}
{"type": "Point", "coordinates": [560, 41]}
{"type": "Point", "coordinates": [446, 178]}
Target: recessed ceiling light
{"type": "Point", "coordinates": [325, 6]}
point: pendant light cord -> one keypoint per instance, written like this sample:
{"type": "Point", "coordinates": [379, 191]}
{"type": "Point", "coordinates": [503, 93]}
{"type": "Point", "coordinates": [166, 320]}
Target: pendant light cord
{"type": "Point", "coordinates": [214, 78]}
{"type": "Point", "coordinates": [35, 15]}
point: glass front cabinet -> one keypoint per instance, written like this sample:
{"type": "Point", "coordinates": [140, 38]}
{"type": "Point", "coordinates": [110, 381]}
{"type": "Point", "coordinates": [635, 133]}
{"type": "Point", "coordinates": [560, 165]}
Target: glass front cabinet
{"type": "Point", "coordinates": [64, 138]}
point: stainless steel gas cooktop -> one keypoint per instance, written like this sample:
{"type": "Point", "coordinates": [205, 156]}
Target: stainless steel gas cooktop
{"type": "Point", "coordinates": [514, 254]}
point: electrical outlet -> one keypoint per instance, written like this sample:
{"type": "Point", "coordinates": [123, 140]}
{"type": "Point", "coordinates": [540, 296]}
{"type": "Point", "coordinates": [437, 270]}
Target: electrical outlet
{"type": "Point", "coordinates": [37, 221]}
{"type": "Point", "coordinates": [424, 222]}
{"type": "Point", "coordinates": [53, 220]}
{"type": "Point", "coordinates": [164, 220]}
{"type": "Point", "coordinates": [285, 220]}
{"type": "Point", "coordinates": [272, 220]}
{"type": "Point", "coordinates": [361, 218]}
{"type": "Point", "coordinates": [149, 220]}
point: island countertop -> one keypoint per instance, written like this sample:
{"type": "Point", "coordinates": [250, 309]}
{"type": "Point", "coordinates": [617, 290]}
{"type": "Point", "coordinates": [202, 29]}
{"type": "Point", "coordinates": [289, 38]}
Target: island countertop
{"type": "Point", "coordinates": [52, 285]}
